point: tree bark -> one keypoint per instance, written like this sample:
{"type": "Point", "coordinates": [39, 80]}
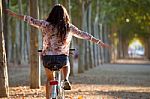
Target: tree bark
{"type": "Point", "coordinates": [5, 20]}
{"type": "Point", "coordinates": [89, 44]}
{"type": "Point", "coordinates": [4, 92]}
{"type": "Point", "coordinates": [34, 62]}
{"type": "Point", "coordinates": [101, 49]}
{"type": "Point", "coordinates": [21, 29]}
{"type": "Point", "coordinates": [120, 53]}
{"type": "Point", "coordinates": [82, 43]}
{"type": "Point", "coordinates": [148, 43]}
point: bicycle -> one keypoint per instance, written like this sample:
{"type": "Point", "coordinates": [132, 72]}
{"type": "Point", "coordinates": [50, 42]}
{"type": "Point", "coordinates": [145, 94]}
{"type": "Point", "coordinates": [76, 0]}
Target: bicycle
{"type": "Point", "coordinates": [58, 91]}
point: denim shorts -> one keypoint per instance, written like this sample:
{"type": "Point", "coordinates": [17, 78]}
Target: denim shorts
{"type": "Point", "coordinates": [55, 62]}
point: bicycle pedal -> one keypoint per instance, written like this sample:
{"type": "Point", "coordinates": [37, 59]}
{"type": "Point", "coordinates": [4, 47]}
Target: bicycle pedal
{"type": "Point", "coordinates": [67, 88]}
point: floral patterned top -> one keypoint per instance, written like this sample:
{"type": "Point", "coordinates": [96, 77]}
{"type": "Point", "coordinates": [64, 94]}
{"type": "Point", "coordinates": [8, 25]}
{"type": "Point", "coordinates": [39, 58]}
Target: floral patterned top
{"type": "Point", "coordinates": [52, 44]}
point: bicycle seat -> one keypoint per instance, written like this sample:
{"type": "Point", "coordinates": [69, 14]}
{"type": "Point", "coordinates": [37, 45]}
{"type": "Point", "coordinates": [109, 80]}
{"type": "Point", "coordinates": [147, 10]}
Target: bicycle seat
{"type": "Point", "coordinates": [54, 66]}
{"type": "Point", "coordinates": [54, 62]}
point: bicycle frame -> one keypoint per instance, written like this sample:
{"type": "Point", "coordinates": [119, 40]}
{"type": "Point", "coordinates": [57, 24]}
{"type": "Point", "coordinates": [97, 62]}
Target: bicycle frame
{"type": "Point", "coordinates": [57, 86]}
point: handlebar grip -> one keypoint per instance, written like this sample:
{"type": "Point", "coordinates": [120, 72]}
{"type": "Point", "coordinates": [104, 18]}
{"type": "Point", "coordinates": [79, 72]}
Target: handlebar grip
{"type": "Point", "coordinates": [39, 50]}
{"type": "Point", "coordinates": [72, 49]}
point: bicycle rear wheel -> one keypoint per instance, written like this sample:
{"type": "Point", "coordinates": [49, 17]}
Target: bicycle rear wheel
{"type": "Point", "coordinates": [61, 93]}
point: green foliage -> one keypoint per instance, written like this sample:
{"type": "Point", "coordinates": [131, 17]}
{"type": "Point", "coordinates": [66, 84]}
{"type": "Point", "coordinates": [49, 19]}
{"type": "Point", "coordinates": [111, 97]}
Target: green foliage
{"type": "Point", "coordinates": [137, 11]}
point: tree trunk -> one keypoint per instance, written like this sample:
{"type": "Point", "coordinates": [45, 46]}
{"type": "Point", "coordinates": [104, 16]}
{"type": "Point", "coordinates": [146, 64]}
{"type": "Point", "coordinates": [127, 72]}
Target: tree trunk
{"type": "Point", "coordinates": [82, 43]}
{"type": "Point", "coordinates": [5, 20]}
{"type": "Point", "coordinates": [120, 54]}
{"type": "Point", "coordinates": [34, 63]}
{"type": "Point", "coordinates": [67, 5]}
{"type": "Point", "coordinates": [101, 49]}
{"type": "Point", "coordinates": [27, 36]}
{"type": "Point", "coordinates": [148, 43]}
{"type": "Point", "coordinates": [21, 29]}
{"type": "Point", "coordinates": [105, 34]}
{"type": "Point", "coordinates": [3, 63]}
{"type": "Point", "coordinates": [90, 45]}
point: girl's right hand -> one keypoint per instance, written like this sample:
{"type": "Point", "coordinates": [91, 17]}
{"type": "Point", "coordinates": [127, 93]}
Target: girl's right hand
{"type": "Point", "coordinates": [9, 12]}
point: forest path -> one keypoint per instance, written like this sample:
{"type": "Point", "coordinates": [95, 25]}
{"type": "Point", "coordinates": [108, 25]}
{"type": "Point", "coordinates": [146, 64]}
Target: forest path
{"type": "Point", "coordinates": [107, 81]}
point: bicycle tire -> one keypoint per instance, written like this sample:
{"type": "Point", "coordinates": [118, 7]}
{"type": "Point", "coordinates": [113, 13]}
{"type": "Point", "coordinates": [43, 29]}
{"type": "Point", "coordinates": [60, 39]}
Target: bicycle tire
{"type": "Point", "coordinates": [60, 94]}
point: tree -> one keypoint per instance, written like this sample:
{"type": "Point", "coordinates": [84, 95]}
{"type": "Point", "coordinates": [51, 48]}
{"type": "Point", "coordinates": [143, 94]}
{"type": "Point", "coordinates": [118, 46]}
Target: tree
{"type": "Point", "coordinates": [34, 63]}
{"type": "Point", "coordinates": [3, 63]}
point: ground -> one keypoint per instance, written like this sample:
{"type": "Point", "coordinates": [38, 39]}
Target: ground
{"type": "Point", "coordinates": [107, 81]}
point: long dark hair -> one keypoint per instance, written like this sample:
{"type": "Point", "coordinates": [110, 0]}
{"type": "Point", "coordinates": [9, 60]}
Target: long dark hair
{"type": "Point", "coordinates": [59, 18]}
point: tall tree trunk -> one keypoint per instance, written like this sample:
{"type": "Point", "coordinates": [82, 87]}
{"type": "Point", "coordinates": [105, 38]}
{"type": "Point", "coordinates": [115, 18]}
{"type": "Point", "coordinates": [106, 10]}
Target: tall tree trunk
{"type": "Point", "coordinates": [101, 49]}
{"type": "Point", "coordinates": [95, 46]}
{"type": "Point", "coordinates": [106, 40]}
{"type": "Point", "coordinates": [67, 5]}
{"type": "Point", "coordinates": [5, 4]}
{"type": "Point", "coordinates": [120, 54]}
{"type": "Point", "coordinates": [96, 34]}
{"type": "Point", "coordinates": [90, 45]}
{"type": "Point", "coordinates": [148, 47]}
{"type": "Point", "coordinates": [3, 63]}
{"type": "Point", "coordinates": [9, 42]}
{"type": "Point", "coordinates": [27, 36]}
{"type": "Point", "coordinates": [9, 54]}
{"type": "Point", "coordinates": [82, 43]}
{"type": "Point", "coordinates": [20, 31]}
{"type": "Point", "coordinates": [34, 63]}
{"type": "Point", "coordinates": [17, 44]}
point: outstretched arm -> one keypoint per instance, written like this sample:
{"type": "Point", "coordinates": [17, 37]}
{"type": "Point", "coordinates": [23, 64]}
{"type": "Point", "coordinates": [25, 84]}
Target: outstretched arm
{"type": "Point", "coordinates": [30, 20]}
{"type": "Point", "coordinates": [84, 35]}
{"type": "Point", "coordinates": [9, 12]}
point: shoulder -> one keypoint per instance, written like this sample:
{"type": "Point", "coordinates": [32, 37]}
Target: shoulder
{"type": "Point", "coordinates": [72, 27]}
{"type": "Point", "coordinates": [45, 23]}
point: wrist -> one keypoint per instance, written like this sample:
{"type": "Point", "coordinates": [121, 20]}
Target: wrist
{"type": "Point", "coordinates": [98, 42]}
{"type": "Point", "coordinates": [91, 38]}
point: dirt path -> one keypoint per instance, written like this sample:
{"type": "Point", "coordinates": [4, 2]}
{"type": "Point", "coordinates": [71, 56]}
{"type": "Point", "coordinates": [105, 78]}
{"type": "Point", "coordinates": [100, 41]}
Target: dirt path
{"type": "Point", "coordinates": [108, 81]}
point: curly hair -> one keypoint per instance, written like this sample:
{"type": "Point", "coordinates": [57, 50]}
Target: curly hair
{"type": "Point", "coordinates": [59, 18]}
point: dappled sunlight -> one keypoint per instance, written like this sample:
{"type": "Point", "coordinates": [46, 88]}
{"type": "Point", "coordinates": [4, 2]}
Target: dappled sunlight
{"type": "Point", "coordinates": [136, 48]}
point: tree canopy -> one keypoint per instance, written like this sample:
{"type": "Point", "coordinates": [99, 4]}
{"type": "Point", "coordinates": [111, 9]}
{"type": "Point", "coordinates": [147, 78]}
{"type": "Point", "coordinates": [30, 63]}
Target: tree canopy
{"type": "Point", "coordinates": [131, 16]}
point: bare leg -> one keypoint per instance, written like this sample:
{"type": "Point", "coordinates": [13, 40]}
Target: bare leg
{"type": "Point", "coordinates": [66, 72]}
{"type": "Point", "coordinates": [49, 75]}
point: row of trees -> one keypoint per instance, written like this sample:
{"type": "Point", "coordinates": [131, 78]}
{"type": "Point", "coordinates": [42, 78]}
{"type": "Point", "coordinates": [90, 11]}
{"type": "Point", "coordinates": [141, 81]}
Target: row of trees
{"type": "Point", "coordinates": [128, 19]}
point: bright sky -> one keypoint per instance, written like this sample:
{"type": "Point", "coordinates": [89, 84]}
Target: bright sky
{"type": "Point", "coordinates": [135, 44]}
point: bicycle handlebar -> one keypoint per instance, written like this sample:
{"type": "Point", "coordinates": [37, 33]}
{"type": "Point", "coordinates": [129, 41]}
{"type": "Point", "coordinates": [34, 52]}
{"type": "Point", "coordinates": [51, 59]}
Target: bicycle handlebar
{"type": "Point", "coordinates": [72, 49]}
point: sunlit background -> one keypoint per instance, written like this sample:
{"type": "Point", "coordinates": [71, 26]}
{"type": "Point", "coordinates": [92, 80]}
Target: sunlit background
{"type": "Point", "coordinates": [136, 49]}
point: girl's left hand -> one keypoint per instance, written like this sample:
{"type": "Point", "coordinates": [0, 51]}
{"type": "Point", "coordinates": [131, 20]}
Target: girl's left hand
{"type": "Point", "coordinates": [104, 45]}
